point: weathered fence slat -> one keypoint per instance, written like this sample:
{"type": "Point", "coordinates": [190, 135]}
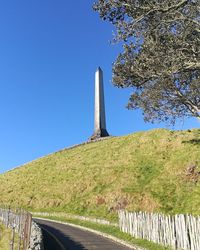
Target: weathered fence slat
{"type": "Point", "coordinates": [179, 231]}
{"type": "Point", "coordinates": [19, 222]}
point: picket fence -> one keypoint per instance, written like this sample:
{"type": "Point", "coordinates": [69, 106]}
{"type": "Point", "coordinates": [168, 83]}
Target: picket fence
{"type": "Point", "coordinates": [19, 222]}
{"type": "Point", "coordinates": [178, 231]}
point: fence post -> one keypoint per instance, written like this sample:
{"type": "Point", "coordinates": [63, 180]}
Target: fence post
{"type": "Point", "coordinates": [8, 217]}
{"type": "Point", "coordinates": [13, 238]}
{"type": "Point", "coordinates": [19, 230]}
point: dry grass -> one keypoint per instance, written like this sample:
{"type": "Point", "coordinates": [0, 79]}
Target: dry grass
{"type": "Point", "coordinates": [142, 171]}
{"type": "Point", "coordinates": [5, 238]}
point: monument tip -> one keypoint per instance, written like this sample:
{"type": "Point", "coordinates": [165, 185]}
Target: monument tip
{"type": "Point", "coordinates": [99, 69]}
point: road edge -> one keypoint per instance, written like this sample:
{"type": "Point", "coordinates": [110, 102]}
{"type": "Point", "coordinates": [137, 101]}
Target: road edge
{"type": "Point", "coordinates": [115, 239]}
{"type": "Point", "coordinates": [53, 236]}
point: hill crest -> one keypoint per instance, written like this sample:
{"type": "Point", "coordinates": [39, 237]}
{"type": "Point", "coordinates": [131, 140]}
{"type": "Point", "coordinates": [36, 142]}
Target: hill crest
{"type": "Point", "coordinates": [141, 171]}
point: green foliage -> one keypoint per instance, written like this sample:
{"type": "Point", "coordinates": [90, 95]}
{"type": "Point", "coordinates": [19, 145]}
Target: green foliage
{"type": "Point", "coordinates": [160, 59]}
{"type": "Point", "coordinates": [143, 171]}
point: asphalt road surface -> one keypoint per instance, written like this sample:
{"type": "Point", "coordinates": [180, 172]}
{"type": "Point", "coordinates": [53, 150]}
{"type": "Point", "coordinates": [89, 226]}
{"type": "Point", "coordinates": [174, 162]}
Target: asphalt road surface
{"type": "Point", "coordinates": [63, 237]}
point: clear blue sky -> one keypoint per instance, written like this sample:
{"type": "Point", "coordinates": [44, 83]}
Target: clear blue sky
{"type": "Point", "coordinates": [49, 51]}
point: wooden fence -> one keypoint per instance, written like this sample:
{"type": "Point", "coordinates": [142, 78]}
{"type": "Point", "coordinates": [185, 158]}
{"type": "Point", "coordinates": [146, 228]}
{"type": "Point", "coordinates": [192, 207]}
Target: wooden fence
{"type": "Point", "coordinates": [179, 231]}
{"type": "Point", "coordinates": [19, 221]}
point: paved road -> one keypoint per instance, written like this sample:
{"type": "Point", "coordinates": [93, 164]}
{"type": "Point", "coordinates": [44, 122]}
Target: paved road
{"type": "Point", "coordinates": [63, 237]}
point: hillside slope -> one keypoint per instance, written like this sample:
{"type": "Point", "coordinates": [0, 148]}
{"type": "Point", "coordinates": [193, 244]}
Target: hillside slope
{"type": "Point", "coordinates": [155, 170]}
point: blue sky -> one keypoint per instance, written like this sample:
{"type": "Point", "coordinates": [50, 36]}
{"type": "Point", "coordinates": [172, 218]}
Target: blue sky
{"type": "Point", "coordinates": [49, 51]}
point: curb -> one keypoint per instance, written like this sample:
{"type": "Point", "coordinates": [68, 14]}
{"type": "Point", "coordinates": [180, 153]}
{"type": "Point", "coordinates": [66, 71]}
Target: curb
{"type": "Point", "coordinates": [72, 216]}
{"type": "Point", "coordinates": [96, 232]}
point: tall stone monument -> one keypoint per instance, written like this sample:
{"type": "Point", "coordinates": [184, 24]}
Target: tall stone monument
{"type": "Point", "coordinates": [99, 112]}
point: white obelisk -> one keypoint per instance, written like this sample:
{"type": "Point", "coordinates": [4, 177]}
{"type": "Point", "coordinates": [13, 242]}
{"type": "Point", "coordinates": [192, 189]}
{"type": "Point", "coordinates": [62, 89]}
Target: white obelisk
{"type": "Point", "coordinates": [99, 113]}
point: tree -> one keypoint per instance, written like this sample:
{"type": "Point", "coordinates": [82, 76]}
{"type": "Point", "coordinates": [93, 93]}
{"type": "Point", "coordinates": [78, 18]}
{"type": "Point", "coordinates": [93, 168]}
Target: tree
{"type": "Point", "coordinates": [161, 55]}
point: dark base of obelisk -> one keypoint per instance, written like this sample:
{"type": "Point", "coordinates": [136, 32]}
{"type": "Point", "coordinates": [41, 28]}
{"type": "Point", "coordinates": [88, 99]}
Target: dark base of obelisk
{"type": "Point", "coordinates": [99, 134]}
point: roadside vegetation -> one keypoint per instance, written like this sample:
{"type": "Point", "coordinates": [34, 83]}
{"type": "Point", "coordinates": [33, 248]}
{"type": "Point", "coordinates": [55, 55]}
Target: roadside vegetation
{"type": "Point", "coordinates": [155, 171]}
{"type": "Point", "coordinates": [5, 238]}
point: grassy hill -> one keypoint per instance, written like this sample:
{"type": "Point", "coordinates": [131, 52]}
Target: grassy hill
{"type": "Point", "coordinates": [155, 170]}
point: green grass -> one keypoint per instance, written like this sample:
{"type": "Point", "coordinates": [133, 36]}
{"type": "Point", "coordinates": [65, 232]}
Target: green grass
{"type": "Point", "coordinates": [142, 171]}
{"type": "Point", "coordinates": [113, 231]}
{"type": "Point", "coordinates": [5, 238]}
